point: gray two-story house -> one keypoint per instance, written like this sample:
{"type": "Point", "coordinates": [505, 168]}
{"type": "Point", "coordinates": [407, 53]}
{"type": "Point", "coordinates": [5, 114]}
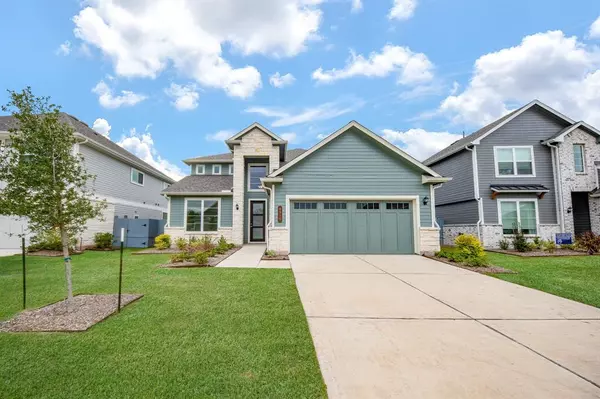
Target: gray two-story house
{"type": "Point", "coordinates": [131, 187]}
{"type": "Point", "coordinates": [534, 169]}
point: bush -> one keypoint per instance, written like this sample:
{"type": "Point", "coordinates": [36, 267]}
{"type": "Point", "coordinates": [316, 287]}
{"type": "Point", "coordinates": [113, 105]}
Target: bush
{"type": "Point", "coordinates": [537, 242]}
{"type": "Point", "coordinates": [181, 243]}
{"type": "Point", "coordinates": [519, 241]}
{"type": "Point", "coordinates": [163, 241]}
{"type": "Point", "coordinates": [504, 244]}
{"type": "Point", "coordinates": [50, 241]}
{"type": "Point", "coordinates": [549, 246]}
{"type": "Point", "coordinates": [206, 243]}
{"type": "Point", "coordinates": [570, 247]}
{"type": "Point", "coordinates": [222, 242]}
{"type": "Point", "coordinates": [180, 257]}
{"type": "Point", "coordinates": [470, 246]}
{"type": "Point", "coordinates": [201, 258]}
{"type": "Point", "coordinates": [588, 242]}
{"type": "Point", "coordinates": [103, 240]}
{"type": "Point", "coordinates": [270, 252]}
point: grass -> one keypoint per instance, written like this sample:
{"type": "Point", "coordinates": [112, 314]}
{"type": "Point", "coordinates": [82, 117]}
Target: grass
{"type": "Point", "coordinates": [196, 333]}
{"type": "Point", "coordinates": [572, 277]}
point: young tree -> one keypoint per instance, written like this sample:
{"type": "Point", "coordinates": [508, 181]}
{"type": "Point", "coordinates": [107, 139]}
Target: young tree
{"type": "Point", "coordinates": [45, 178]}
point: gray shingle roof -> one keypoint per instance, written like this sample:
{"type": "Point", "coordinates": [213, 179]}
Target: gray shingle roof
{"type": "Point", "coordinates": [228, 157]}
{"type": "Point", "coordinates": [290, 155]}
{"type": "Point", "coordinates": [202, 184]}
{"type": "Point", "coordinates": [8, 122]}
{"type": "Point", "coordinates": [518, 187]}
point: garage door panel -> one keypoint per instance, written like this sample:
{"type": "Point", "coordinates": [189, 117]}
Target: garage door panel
{"type": "Point", "coordinates": [391, 227]}
{"type": "Point", "coordinates": [327, 231]}
{"type": "Point", "coordinates": [342, 232]}
{"type": "Point", "coordinates": [359, 231]}
{"type": "Point", "coordinates": [298, 232]}
{"type": "Point", "coordinates": [312, 232]}
{"type": "Point", "coordinates": [374, 230]}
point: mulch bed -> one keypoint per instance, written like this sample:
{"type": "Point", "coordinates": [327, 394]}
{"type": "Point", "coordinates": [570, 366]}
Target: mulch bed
{"type": "Point", "coordinates": [79, 315]}
{"type": "Point", "coordinates": [537, 253]}
{"type": "Point", "coordinates": [212, 261]}
{"type": "Point", "coordinates": [276, 257]}
{"type": "Point", "coordinates": [154, 251]}
{"type": "Point", "coordinates": [52, 254]}
{"type": "Point", "coordinates": [100, 249]}
{"type": "Point", "coordinates": [490, 269]}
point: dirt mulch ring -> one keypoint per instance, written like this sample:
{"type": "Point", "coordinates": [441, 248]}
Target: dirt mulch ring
{"type": "Point", "coordinates": [52, 254]}
{"type": "Point", "coordinates": [82, 313]}
{"type": "Point", "coordinates": [212, 261]}
{"type": "Point", "coordinates": [491, 269]}
{"type": "Point", "coordinates": [154, 251]}
{"type": "Point", "coordinates": [538, 253]}
{"type": "Point", "coordinates": [276, 257]}
{"type": "Point", "coordinates": [100, 249]}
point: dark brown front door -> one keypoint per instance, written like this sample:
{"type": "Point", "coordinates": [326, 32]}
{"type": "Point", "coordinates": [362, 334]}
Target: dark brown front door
{"type": "Point", "coordinates": [581, 213]}
{"type": "Point", "coordinates": [257, 221]}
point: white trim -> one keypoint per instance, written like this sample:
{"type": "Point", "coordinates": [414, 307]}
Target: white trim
{"type": "Point", "coordinates": [194, 193]}
{"type": "Point", "coordinates": [514, 160]}
{"type": "Point", "coordinates": [250, 165]}
{"type": "Point", "coordinates": [185, 206]}
{"type": "Point", "coordinates": [230, 169]}
{"type": "Point", "coordinates": [364, 130]}
{"type": "Point", "coordinates": [434, 180]}
{"type": "Point", "coordinates": [168, 212]}
{"type": "Point", "coordinates": [518, 200]}
{"type": "Point", "coordinates": [203, 169]}
{"type": "Point", "coordinates": [266, 217]}
{"type": "Point", "coordinates": [193, 161]}
{"type": "Point", "coordinates": [131, 177]}
{"type": "Point", "coordinates": [414, 198]}
{"type": "Point", "coordinates": [432, 205]}
{"type": "Point", "coordinates": [216, 166]}
{"type": "Point", "coordinates": [258, 126]}
{"type": "Point", "coordinates": [582, 158]}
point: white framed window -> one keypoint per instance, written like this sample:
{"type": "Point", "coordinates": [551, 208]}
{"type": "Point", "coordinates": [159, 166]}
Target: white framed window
{"type": "Point", "coordinates": [200, 169]}
{"type": "Point", "coordinates": [579, 158]}
{"type": "Point", "coordinates": [230, 169]}
{"type": "Point", "coordinates": [256, 171]}
{"type": "Point", "coordinates": [216, 169]}
{"type": "Point", "coordinates": [515, 161]}
{"type": "Point", "coordinates": [137, 177]}
{"type": "Point", "coordinates": [202, 215]}
{"type": "Point", "coordinates": [520, 214]}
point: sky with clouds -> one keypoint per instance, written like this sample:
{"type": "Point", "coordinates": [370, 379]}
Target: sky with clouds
{"type": "Point", "coordinates": [171, 79]}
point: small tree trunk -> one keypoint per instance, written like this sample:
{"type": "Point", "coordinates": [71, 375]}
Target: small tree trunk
{"type": "Point", "coordinates": [65, 244]}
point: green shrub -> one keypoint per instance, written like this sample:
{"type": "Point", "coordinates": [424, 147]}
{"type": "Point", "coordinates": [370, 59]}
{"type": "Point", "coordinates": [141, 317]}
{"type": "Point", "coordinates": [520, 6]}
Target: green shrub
{"type": "Point", "coordinates": [103, 240]}
{"type": "Point", "coordinates": [470, 246]}
{"type": "Point", "coordinates": [570, 247]}
{"type": "Point", "coordinates": [588, 242]}
{"type": "Point", "coordinates": [270, 252]}
{"type": "Point", "coordinates": [206, 243]}
{"type": "Point", "coordinates": [180, 257]}
{"type": "Point", "coordinates": [181, 243]}
{"type": "Point", "coordinates": [201, 258]}
{"type": "Point", "coordinates": [163, 241]}
{"type": "Point", "coordinates": [222, 242]}
{"type": "Point", "coordinates": [454, 256]}
{"type": "Point", "coordinates": [519, 241]}
{"type": "Point", "coordinates": [504, 244]}
{"type": "Point", "coordinates": [537, 242]}
{"type": "Point", "coordinates": [549, 246]}
{"type": "Point", "coordinates": [50, 241]}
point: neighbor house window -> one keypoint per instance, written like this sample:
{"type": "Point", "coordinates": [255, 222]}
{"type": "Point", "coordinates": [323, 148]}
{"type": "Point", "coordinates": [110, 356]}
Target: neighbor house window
{"type": "Point", "coordinates": [202, 215]}
{"type": "Point", "coordinates": [216, 170]}
{"type": "Point", "coordinates": [514, 161]}
{"type": "Point", "coordinates": [579, 158]}
{"type": "Point", "coordinates": [137, 177]}
{"type": "Point", "coordinates": [200, 169]}
{"type": "Point", "coordinates": [230, 168]}
{"type": "Point", "coordinates": [255, 173]}
{"type": "Point", "coordinates": [515, 215]}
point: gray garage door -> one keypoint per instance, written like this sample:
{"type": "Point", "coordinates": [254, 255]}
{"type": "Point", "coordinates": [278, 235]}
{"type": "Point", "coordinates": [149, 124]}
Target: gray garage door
{"type": "Point", "coordinates": [351, 227]}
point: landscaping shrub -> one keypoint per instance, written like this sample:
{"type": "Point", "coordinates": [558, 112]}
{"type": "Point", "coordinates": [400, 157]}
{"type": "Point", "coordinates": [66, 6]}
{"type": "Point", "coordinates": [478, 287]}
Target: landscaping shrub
{"type": "Point", "coordinates": [180, 257]}
{"type": "Point", "coordinates": [181, 243]}
{"type": "Point", "coordinates": [103, 240]}
{"type": "Point", "coordinates": [519, 241]}
{"type": "Point", "coordinates": [454, 256]}
{"type": "Point", "coordinates": [570, 247]}
{"type": "Point", "coordinates": [206, 243]}
{"type": "Point", "coordinates": [549, 246]}
{"type": "Point", "coordinates": [163, 241]}
{"type": "Point", "coordinates": [270, 252]}
{"type": "Point", "coordinates": [504, 244]}
{"type": "Point", "coordinates": [537, 242]}
{"type": "Point", "coordinates": [588, 242]}
{"type": "Point", "coordinates": [470, 246]}
{"type": "Point", "coordinates": [201, 258]}
{"type": "Point", "coordinates": [50, 241]}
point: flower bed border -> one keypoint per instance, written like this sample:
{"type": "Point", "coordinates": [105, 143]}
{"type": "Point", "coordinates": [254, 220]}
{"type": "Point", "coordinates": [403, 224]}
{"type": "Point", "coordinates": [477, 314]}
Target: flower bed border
{"type": "Point", "coordinates": [559, 252]}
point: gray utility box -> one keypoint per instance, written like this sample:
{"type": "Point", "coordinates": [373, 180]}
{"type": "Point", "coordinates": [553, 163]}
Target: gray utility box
{"type": "Point", "coordinates": [139, 233]}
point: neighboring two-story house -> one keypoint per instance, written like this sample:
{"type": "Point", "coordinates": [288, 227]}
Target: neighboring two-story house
{"type": "Point", "coordinates": [534, 169]}
{"type": "Point", "coordinates": [353, 192]}
{"type": "Point", "coordinates": [131, 187]}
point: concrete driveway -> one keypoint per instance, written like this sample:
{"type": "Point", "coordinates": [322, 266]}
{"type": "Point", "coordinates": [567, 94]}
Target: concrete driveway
{"type": "Point", "coordinates": [406, 326]}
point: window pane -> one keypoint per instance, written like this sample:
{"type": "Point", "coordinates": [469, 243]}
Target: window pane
{"type": "Point", "coordinates": [523, 154]}
{"type": "Point", "coordinates": [504, 155]}
{"type": "Point", "coordinates": [524, 168]}
{"type": "Point", "coordinates": [256, 173]}
{"type": "Point", "coordinates": [509, 217]}
{"type": "Point", "coordinates": [506, 168]}
{"type": "Point", "coordinates": [217, 169]}
{"type": "Point", "coordinates": [140, 178]}
{"type": "Point", "coordinates": [528, 220]}
{"type": "Point", "coordinates": [211, 215]}
{"type": "Point", "coordinates": [578, 157]}
{"type": "Point", "coordinates": [194, 208]}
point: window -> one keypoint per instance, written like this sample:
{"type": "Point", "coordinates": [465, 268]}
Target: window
{"type": "Point", "coordinates": [518, 214]}
{"type": "Point", "coordinates": [165, 216]}
{"type": "Point", "coordinates": [305, 205]}
{"type": "Point", "coordinates": [514, 161]}
{"type": "Point", "coordinates": [367, 205]}
{"type": "Point", "coordinates": [579, 158]}
{"type": "Point", "coordinates": [255, 173]}
{"type": "Point", "coordinates": [216, 170]}
{"type": "Point", "coordinates": [334, 205]}
{"type": "Point", "coordinates": [397, 205]}
{"type": "Point", "coordinates": [136, 216]}
{"type": "Point", "coordinates": [202, 215]}
{"type": "Point", "coordinates": [200, 169]}
{"type": "Point", "coordinates": [230, 168]}
{"type": "Point", "coordinates": [137, 177]}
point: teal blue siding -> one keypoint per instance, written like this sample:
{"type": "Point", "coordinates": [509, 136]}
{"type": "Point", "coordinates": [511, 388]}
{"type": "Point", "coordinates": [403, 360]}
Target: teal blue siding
{"type": "Point", "coordinates": [354, 164]}
{"type": "Point", "coordinates": [208, 168]}
{"type": "Point", "coordinates": [177, 217]}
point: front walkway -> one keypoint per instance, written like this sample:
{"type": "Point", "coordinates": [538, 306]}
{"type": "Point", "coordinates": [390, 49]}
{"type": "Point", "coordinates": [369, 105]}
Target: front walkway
{"type": "Point", "coordinates": [406, 326]}
{"type": "Point", "coordinates": [249, 256]}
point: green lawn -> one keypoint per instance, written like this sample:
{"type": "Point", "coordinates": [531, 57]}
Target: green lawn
{"type": "Point", "coordinates": [573, 277]}
{"type": "Point", "coordinates": [196, 333]}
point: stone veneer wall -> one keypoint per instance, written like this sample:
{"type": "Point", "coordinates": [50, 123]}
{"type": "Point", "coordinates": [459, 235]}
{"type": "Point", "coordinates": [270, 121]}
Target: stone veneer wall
{"type": "Point", "coordinates": [177, 232]}
{"type": "Point", "coordinates": [548, 231]}
{"type": "Point", "coordinates": [595, 214]}
{"type": "Point", "coordinates": [491, 235]}
{"type": "Point", "coordinates": [279, 240]}
{"type": "Point", "coordinates": [451, 231]}
{"type": "Point", "coordinates": [429, 239]}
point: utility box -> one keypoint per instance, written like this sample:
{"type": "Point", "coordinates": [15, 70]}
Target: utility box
{"type": "Point", "coordinates": [139, 233]}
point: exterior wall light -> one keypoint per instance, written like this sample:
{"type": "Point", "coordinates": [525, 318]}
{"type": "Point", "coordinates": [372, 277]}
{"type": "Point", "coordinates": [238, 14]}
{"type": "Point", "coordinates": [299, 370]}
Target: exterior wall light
{"type": "Point", "coordinates": [425, 200]}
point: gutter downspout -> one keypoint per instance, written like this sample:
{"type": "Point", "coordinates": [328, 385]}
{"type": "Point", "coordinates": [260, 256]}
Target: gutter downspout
{"type": "Point", "coordinates": [476, 190]}
{"type": "Point", "coordinates": [557, 181]}
{"type": "Point", "coordinates": [272, 216]}
{"type": "Point", "coordinates": [433, 188]}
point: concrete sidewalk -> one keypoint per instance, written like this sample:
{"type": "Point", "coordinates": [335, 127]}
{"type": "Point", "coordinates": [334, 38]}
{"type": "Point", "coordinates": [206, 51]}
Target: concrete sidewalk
{"type": "Point", "coordinates": [249, 256]}
{"type": "Point", "coordinates": [406, 326]}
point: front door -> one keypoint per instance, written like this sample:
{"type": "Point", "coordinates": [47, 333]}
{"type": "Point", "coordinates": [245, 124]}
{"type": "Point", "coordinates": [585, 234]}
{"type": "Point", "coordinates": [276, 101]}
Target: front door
{"type": "Point", "coordinates": [257, 221]}
{"type": "Point", "coordinates": [581, 213]}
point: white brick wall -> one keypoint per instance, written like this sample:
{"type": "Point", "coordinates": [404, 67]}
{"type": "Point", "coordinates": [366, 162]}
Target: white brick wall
{"type": "Point", "coordinates": [453, 231]}
{"type": "Point", "coordinates": [279, 240]}
{"type": "Point", "coordinates": [548, 231]}
{"type": "Point", "coordinates": [177, 232]}
{"type": "Point", "coordinates": [430, 240]}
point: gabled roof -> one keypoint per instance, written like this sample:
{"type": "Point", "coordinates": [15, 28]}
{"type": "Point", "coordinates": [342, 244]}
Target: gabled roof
{"type": "Point", "coordinates": [560, 136]}
{"type": "Point", "coordinates": [228, 157]}
{"type": "Point", "coordinates": [368, 133]}
{"type": "Point", "coordinates": [256, 125]}
{"type": "Point", "coordinates": [202, 184]}
{"type": "Point", "coordinates": [476, 137]}
{"type": "Point", "coordinates": [9, 122]}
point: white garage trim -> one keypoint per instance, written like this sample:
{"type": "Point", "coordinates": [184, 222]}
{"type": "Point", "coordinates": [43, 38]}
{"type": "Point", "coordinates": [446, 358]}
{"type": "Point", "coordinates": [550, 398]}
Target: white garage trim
{"type": "Point", "coordinates": [412, 198]}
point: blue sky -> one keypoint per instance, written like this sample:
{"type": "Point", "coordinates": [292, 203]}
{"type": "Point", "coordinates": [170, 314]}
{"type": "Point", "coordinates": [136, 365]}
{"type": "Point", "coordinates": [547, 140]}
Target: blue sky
{"type": "Point", "coordinates": [172, 78]}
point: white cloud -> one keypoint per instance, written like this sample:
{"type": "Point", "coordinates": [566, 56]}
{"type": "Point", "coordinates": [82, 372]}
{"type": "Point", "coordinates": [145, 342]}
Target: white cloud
{"type": "Point", "coordinates": [185, 98]}
{"type": "Point", "coordinates": [455, 87]}
{"type": "Point", "coordinates": [142, 146]}
{"type": "Point", "coordinates": [357, 5]}
{"type": "Point", "coordinates": [421, 91]}
{"type": "Point", "coordinates": [144, 37]}
{"type": "Point", "coordinates": [410, 67]}
{"type": "Point", "coordinates": [402, 9]}
{"type": "Point", "coordinates": [281, 81]}
{"type": "Point", "coordinates": [107, 99]}
{"type": "Point", "coordinates": [558, 70]}
{"type": "Point", "coordinates": [288, 117]}
{"type": "Point", "coordinates": [420, 143]}
{"type": "Point", "coordinates": [321, 136]}
{"type": "Point", "coordinates": [64, 48]}
{"type": "Point", "coordinates": [221, 135]}
{"type": "Point", "coordinates": [289, 137]}
{"type": "Point", "coordinates": [594, 32]}
{"type": "Point", "coordinates": [101, 126]}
